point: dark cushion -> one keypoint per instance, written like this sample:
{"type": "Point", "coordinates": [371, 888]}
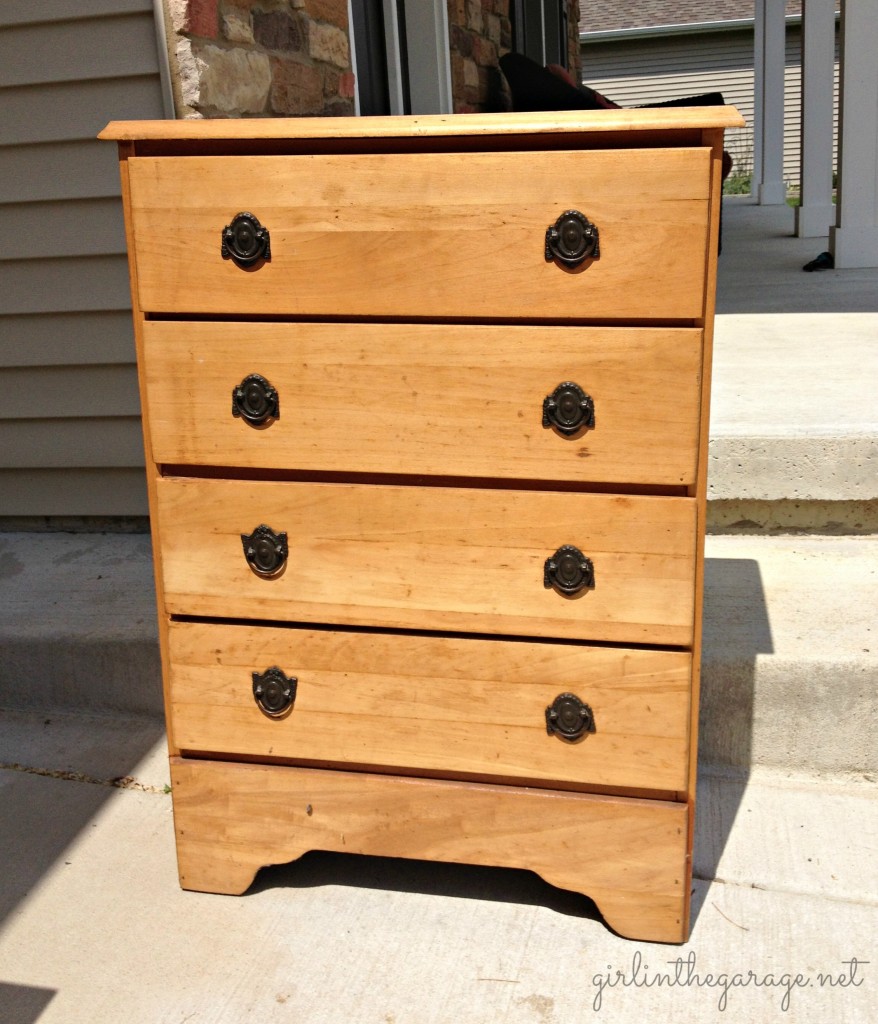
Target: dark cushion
{"type": "Point", "coordinates": [533, 87]}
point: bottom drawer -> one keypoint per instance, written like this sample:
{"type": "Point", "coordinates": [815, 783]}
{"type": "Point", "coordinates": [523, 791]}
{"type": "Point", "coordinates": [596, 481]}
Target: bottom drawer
{"type": "Point", "coordinates": [630, 856]}
{"type": "Point", "coordinates": [446, 705]}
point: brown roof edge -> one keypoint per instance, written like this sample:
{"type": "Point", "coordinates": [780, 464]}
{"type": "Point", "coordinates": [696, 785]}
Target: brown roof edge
{"type": "Point", "coordinates": [611, 16]}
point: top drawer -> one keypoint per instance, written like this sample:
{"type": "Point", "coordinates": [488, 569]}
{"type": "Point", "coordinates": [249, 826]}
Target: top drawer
{"type": "Point", "coordinates": [425, 234]}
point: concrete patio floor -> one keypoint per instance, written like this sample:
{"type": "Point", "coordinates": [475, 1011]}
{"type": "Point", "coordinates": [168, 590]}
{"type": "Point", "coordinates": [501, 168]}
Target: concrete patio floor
{"type": "Point", "coordinates": [94, 927]}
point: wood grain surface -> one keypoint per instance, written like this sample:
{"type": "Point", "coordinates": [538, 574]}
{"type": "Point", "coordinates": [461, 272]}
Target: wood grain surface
{"type": "Point", "coordinates": [467, 559]}
{"type": "Point", "coordinates": [433, 703]}
{"type": "Point", "coordinates": [440, 127]}
{"type": "Point", "coordinates": [428, 399]}
{"type": "Point", "coordinates": [425, 234]}
{"type": "Point", "coordinates": [628, 855]}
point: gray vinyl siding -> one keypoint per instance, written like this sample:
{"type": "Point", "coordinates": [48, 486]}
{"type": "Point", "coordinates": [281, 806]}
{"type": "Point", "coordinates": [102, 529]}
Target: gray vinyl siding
{"type": "Point", "coordinates": [70, 436]}
{"type": "Point", "coordinates": [639, 71]}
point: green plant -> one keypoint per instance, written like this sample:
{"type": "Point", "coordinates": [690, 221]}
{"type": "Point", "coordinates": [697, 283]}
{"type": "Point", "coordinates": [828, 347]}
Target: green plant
{"type": "Point", "coordinates": [737, 185]}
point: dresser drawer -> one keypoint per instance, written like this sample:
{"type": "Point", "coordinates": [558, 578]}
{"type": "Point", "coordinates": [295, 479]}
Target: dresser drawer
{"type": "Point", "coordinates": [425, 234]}
{"type": "Point", "coordinates": [433, 704]}
{"type": "Point", "coordinates": [443, 400]}
{"type": "Point", "coordinates": [463, 559]}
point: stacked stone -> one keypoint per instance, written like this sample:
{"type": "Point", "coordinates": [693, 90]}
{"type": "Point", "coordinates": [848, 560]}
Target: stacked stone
{"type": "Point", "coordinates": [480, 32]}
{"type": "Point", "coordinates": [261, 58]}
{"type": "Point", "coordinates": [574, 47]}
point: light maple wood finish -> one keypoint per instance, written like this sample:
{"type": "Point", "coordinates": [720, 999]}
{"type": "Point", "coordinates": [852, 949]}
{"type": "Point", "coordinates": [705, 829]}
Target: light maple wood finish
{"type": "Point", "coordinates": [414, 219]}
{"type": "Point", "coordinates": [628, 855]}
{"type": "Point", "coordinates": [438, 128]}
{"type": "Point", "coordinates": [425, 234]}
{"type": "Point", "coordinates": [125, 150]}
{"type": "Point", "coordinates": [460, 400]}
{"type": "Point", "coordinates": [468, 559]}
{"type": "Point", "coordinates": [434, 703]}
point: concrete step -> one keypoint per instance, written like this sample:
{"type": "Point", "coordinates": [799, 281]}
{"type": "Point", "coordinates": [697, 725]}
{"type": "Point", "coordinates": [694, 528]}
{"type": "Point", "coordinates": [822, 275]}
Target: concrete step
{"type": "Point", "coordinates": [790, 659]}
{"type": "Point", "coordinates": [794, 428]}
{"type": "Point", "coordinates": [78, 623]}
{"type": "Point", "coordinates": [794, 431]}
{"type": "Point", "coordinates": [789, 662]}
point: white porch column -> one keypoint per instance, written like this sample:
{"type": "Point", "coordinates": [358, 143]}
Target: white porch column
{"type": "Point", "coordinates": [770, 58]}
{"type": "Point", "coordinates": [854, 241]}
{"type": "Point", "coordinates": [816, 213]}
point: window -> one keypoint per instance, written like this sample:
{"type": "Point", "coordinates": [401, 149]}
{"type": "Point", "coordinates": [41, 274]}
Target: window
{"type": "Point", "coordinates": [401, 56]}
{"type": "Point", "coordinates": [540, 29]}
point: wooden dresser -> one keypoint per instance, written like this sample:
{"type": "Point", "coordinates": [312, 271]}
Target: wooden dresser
{"type": "Point", "coordinates": [425, 407]}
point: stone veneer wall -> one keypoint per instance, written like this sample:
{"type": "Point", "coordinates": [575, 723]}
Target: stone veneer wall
{"type": "Point", "coordinates": [574, 47]}
{"type": "Point", "coordinates": [481, 31]}
{"type": "Point", "coordinates": [281, 58]}
{"type": "Point", "coordinates": [260, 58]}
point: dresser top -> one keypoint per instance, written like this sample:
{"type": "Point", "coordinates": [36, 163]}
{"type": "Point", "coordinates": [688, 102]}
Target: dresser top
{"type": "Point", "coordinates": [427, 125]}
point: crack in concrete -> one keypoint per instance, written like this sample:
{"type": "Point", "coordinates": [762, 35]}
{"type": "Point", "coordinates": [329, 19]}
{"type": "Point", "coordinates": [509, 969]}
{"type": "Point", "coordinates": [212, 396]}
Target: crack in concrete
{"type": "Point", "coordinates": [119, 782]}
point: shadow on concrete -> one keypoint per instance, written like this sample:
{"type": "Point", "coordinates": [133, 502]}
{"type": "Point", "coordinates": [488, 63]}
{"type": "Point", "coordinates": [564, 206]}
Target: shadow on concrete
{"type": "Point", "coordinates": [23, 1004]}
{"type": "Point", "coordinates": [427, 878]}
{"type": "Point", "coordinates": [78, 635]}
{"type": "Point", "coordinates": [50, 797]}
{"type": "Point", "coordinates": [736, 630]}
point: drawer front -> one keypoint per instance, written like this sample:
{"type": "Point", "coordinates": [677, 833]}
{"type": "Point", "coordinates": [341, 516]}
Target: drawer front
{"type": "Point", "coordinates": [425, 234]}
{"type": "Point", "coordinates": [431, 558]}
{"type": "Point", "coordinates": [473, 707]}
{"type": "Point", "coordinates": [447, 400]}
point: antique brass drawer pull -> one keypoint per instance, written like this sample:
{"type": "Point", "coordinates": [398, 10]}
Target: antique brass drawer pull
{"type": "Point", "coordinates": [568, 571]}
{"type": "Point", "coordinates": [568, 717]}
{"type": "Point", "coordinates": [266, 551]}
{"type": "Point", "coordinates": [572, 239]}
{"type": "Point", "coordinates": [245, 241]}
{"type": "Point", "coordinates": [568, 409]}
{"type": "Point", "coordinates": [274, 691]}
{"type": "Point", "coordinates": [255, 401]}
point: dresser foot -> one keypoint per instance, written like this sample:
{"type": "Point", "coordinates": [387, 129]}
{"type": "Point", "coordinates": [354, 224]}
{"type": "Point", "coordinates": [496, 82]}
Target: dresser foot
{"type": "Point", "coordinates": [211, 874]}
{"type": "Point", "coordinates": [628, 855]}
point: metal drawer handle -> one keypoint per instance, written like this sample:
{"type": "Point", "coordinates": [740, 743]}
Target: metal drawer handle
{"type": "Point", "coordinates": [572, 239]}
{"type": "Point", "coordinates": [245, 241]}
{"type": "Point", "coordinates": [274, 691]}
{"type": "Point", "coordinates": [266, 551]}
{"type": "Point", "coordinates": [255, 401]}
{"type": "Point", "coordinates": [568, 409]}
{"type": "Point", "coordinates": [568, 571]}
{"type": "Point", "coordinates": [569, 717]}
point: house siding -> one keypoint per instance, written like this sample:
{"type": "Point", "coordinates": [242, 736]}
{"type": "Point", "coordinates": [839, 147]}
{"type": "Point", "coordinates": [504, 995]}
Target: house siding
{"type": "Point", "coordinates": [635, 71]}
{"type": "Point", "coordinates": [70, 436]}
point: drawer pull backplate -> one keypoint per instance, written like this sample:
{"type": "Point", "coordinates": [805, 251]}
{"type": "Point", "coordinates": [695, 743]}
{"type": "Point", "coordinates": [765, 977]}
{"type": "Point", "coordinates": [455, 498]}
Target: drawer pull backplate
{"type": "Point", "coordinates": [266, 551]}
{"type": "Point", "coordinates": [274, 691]}
{"type": "Point", "coordinates": [572, 239]}
{"type": "Point", "coordinates": [245, 241]}
{"type": "Point", "coordinates": [568, 409]}
{"type": "Point", "coordinates": [569, 717]}
{"type": "Point", "coordinates": [569, 571]}
{"type": "Point", "coordinates": [255, 401]}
